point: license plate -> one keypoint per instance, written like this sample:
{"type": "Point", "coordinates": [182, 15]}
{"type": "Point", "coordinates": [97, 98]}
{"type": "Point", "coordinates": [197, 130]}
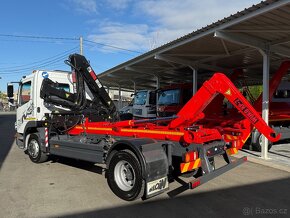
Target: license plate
{"type": "Point", "coordinates": [158, 185]}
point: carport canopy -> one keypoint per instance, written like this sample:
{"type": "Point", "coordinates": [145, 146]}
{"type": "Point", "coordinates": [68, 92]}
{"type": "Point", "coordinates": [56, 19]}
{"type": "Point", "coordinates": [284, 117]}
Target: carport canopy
{"type": "Point", "coordinates": [255, 40]}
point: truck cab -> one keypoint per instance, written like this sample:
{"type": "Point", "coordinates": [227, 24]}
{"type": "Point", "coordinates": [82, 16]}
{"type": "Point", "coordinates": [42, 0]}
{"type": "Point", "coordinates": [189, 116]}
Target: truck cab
{"type": "Point", "coordinates": [31, 108]}
{"type": "Point", "coordinates": [172, 98]}
{"type": "Point", "coordinates": [144, 105]}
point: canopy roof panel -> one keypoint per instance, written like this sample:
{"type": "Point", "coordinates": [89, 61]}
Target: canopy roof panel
{"type": "Point", "coordinates": [226, 45]}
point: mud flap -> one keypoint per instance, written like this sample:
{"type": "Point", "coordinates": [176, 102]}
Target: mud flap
{"type": "Point", "coordinates": [156, 168]}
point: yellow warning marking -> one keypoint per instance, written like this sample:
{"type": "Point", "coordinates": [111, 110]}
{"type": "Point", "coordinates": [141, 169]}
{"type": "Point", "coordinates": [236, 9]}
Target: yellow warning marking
{"type": "Point", "coordinates": [196, 163]}
{"type": "Point", "coordinates": [185, 167]}
{"type": "Point", "coordinates": [228, 92]}
{"type": "Point", "coordinates": [30, 118]}
{"type": "Point", "coordinates": [244, 141]}
{"type": "Point", "coordinates": [95, 128]}
{"type": "Point", "coordinates": [135, 131]}
{"type": "Point", "coordinates": [152, 132]}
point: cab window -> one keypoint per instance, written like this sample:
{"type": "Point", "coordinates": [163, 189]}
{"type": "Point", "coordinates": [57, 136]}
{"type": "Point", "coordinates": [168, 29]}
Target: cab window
{"type": "Point", "coordinates": [25, 92]}
{"type": "Point", "coordinates": [140, 98]}
{"type": "Point", "coordinates": [63, 86]}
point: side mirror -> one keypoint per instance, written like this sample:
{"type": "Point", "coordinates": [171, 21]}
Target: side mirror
{"type": "Point", "coordinates": [10, 90]}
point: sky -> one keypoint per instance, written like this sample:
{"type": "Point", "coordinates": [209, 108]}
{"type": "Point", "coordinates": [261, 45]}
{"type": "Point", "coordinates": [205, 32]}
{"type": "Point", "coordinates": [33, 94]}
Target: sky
{"type": "Point", "coordinates": [114, 31]}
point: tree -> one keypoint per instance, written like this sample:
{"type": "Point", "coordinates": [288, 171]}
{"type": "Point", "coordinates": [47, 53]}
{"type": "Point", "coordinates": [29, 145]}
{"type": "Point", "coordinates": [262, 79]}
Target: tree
{"type": "Point", "coordinates": [2, 95]}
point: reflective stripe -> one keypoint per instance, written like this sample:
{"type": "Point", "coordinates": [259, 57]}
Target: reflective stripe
{"type": "Point", "coordinates": [95, 128]}
{"type": "Point", "coordinates": [152, 132]}
{"type": "Point", "coordinates": [135, 130]}
{"type": "Point", "coordinates": [184, 167]}
{"type": "Point", "coordinates": [46, 137]}
{"type": "Point", "coordinates": [232, 151]}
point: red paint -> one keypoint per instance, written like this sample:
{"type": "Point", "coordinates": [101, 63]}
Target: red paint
{"type": "Point", "coordinates": [178, 129]}
{"type": "Point", "coordinates": [195, 184]}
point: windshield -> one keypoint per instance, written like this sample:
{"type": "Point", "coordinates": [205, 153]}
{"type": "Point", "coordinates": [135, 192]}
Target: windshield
{"type": "Point", "coordinates": [140, 98]}
{"type": "Point", "coordinates": [169, 97]}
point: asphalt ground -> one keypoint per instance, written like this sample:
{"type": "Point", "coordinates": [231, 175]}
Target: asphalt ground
{"type": "Point", "coordinates": [64, 187]}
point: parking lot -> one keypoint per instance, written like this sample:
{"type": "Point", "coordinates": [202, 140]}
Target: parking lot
{"type": "Point", "coordinates": [68, 188]}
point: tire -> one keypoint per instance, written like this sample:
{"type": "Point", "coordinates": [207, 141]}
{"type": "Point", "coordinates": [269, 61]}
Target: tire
{"type": "Point", "coordinates": [34, 151]}
{"type": "Point", "coordinates": [257, 144]}
{"type": "Point", "coordinates": [124, 176]}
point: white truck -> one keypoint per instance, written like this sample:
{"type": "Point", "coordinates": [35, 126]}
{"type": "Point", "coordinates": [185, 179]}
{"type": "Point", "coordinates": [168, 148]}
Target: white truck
{"type": "Point", "coordinates": [144, 104]}
{"type": "Point", "coordinates": [31, 107]}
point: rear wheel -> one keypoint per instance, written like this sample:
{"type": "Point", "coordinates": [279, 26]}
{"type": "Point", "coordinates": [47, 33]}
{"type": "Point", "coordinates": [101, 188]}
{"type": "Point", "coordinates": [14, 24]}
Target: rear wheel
{"type": "Point", "coordinates": [257, 144]}
{"type": "Point", "coordinates": [124, 175]}
{"type": "Point", "coordinates": [34, 150]}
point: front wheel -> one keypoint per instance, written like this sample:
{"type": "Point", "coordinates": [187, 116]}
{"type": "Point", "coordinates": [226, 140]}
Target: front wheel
{"type": "Point", "coordinates": [124, 176]}
{"type": "Point", "coordinates": [34, 150]}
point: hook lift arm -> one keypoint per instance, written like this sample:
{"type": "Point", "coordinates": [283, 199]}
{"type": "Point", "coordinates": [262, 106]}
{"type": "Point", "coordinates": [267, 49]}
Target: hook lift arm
{"type": "Point", "coordinates": [219, 83]}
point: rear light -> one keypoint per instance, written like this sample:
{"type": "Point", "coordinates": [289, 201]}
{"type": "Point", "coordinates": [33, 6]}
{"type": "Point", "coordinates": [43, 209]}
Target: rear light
{"type": "Point", "coordinates": [190, 156]}
{"type": "Point", "coordinates": [195, 184]}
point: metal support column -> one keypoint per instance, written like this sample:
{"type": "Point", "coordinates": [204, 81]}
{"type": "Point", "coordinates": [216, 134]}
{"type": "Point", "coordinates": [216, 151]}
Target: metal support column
{"type": "Point", "coordinates": [120, 99]}
{"type": "Point", "coordinates": [134, 85]}
{"type": "Point", "coordinates": [265, 103]}
{"type": "Point", "coordinates": [157, 82]}
{"type": "Point", "coordinates": [194, 80]}
{"type": "Point", "coordinates": [264, 49]}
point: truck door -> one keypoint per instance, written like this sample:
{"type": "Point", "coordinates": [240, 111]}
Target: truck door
{"type": "Point", "coordinates": [25, 111]}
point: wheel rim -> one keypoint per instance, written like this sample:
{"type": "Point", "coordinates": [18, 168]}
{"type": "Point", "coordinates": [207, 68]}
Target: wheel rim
{"type": "Point", "coordinates": [124, 175]}
{"type": "Point", "coordinates": [33, 148]}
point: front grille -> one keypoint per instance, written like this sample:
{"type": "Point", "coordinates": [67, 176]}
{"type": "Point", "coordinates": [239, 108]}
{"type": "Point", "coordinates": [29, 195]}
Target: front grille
{"type": "Point", "coordinates": [137, 111]}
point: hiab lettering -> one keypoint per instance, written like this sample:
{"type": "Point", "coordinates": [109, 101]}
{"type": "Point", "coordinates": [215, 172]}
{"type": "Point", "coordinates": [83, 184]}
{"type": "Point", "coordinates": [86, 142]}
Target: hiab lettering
{"type": "Point", "coordinates": [246, 111]}
{"type": "Point", "coordinates": [159, 186]}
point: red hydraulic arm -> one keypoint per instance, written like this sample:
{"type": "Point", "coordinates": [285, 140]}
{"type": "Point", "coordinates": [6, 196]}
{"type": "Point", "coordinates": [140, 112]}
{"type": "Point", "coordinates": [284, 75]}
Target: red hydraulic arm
{"type": "Point", "coordinates": [183, 128]}
{"type": "Point", "coordinates": [212, 107]}
{"type": "Point", "coordinates": [219, 83]}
